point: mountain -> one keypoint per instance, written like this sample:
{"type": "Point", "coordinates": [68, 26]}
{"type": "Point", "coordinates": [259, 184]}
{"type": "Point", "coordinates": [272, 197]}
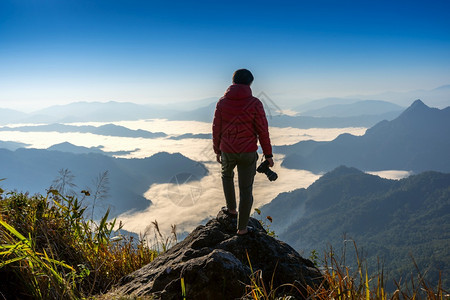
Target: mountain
{"type": "Point", "coordinates": [206, 114]}
{"type": "Point", "coordinates": [107, 130]}
{"type": "Point", "coordinates": [71, 148]}
{"type": "Point", "coordinates": [202, 114]}
{"type": "Point", "coordinates": [305, 122]}
{"type": "Point", "coordinates": [88, 112]}
{"type": "Point", "coordinates": [360, 108]}
{"type": "Point", "coordinates": [438, 97]}
{"type": "Point", "coordinates": [34, 171]}
{"type": "Point", "coordinates": [388, 219]}
{"type": "Point", "coordinates": [102, 112]}
{"type": "Point", "coordinates": [321, 103]}
{"type": "Point", "coordinates": [10, 115]}
{"type": "Point", "coordinates": [417, 140]}
{"type": "Point", "coordinates": [363, 114]}
{"type": "Point", "coordinates": [191, 105]}
{"type": "Point", "coordinates": [68, 147]}
{"type": "Point", "coordinates": [11, 145]}
{"type": "Point", "coordinates": [192, 136]}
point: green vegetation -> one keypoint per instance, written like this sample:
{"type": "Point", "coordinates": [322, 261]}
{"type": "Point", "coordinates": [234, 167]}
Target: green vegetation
{"type": "Point", "coordinates": [49, 250]}
{"type": "Point", "coordinates": [342, 282]}
{"type": "Point", "coordinates": [391, 220]}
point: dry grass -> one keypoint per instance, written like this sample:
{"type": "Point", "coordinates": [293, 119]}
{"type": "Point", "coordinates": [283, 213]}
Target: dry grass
{"type": "Point", "coordinates": [49, 250]}
{"type": "Point", "coordinates": [52, 251]}
{"type": "Point", "coordinates": [341, 283]}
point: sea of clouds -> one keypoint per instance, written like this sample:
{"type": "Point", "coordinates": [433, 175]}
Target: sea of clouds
{"type": "Point", "coordinates": [188, 204]}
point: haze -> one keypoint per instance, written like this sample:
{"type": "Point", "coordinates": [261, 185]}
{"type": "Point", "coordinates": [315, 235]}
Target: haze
{"type": "Point", "coordinates": [56, 52]}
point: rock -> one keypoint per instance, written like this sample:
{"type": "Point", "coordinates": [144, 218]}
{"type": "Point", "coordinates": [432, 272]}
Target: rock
{"type": "Point", "coordinates": [216, 263]}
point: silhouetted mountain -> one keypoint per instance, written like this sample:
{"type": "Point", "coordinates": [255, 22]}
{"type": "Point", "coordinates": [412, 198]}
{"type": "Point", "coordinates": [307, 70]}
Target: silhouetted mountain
{"type": "Point", "coordinates": [306, 122]}
{"type": "Point", "coordinates": [321, 103]}
{"type": "Point", "coordinates": [360, 108]}
{"type": "Point", "coordinates": [107, 129]}
{"type": "Point", "coordinates": [202, 114]}
{"type": "Point", "coordinates": [387, 218]}
{"type": "Point", "coordinates": [102, 112]}
{"type": "Point", "coordinates": [206, 114]}
{"type": "Point", "coordinates": [418, 140]}
{"type": "Point", "coordinates": [11, 145]}
{"type": "Point", "coordinates": [191, 105]}
{"type": "Point", "coordinates": [192, 136]}
{"type": "Point", "coordinates": [438, 97]}
{"type": "Point", "coordinates": [300, 149]}
{"type": "Point", "coordinates": [88, 112]}
{"type": "Point", "coordinates": [68, 147]}
{"type": "Point", "coordinates": [34, 170]}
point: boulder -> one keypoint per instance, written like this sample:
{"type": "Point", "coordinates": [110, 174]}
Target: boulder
{"type": "Point", "coordinates": [216, 263]}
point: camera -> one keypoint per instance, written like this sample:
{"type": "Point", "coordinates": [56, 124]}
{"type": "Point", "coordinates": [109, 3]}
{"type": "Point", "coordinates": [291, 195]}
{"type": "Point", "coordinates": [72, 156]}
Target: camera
{"type": "Point", "coordinates": [264, 168]}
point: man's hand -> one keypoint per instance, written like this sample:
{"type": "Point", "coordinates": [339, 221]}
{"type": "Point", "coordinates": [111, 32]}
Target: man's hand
{"type": "Point", "coordinates": [219, 158]}
{"type": "Point", "coordinates": [270, 160]}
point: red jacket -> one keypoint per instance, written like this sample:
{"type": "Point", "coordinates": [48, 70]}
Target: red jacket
{"type": "Point", "coordinates": [239, 121]}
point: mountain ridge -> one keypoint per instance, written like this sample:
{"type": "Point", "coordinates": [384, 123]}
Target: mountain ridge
{"type": "Point", "coordinates": [400, 144]}
{"type": "Point", "coordinates": [33, 170]}
{"type": "Point", "coordinates": [358, 108]}
{"type": "Point", "coordinates": [387, 218]}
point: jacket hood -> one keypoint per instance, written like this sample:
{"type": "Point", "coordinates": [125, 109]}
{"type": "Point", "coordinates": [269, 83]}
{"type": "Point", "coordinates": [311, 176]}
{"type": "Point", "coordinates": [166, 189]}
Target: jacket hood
{"type": "Point", "coordinates": [238, 92]}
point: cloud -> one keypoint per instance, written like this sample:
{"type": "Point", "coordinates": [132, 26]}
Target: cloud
{"type": "Point", "coordinates": [392, 174]}
{"type": "Point", "coordinates": [170, 199]}
{"type": "Point", "coordinates": [207, 202]}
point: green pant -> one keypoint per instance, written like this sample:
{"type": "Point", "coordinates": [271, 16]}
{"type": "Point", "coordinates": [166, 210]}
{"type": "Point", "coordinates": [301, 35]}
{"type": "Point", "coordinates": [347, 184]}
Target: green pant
{"type": "Point", "coordinates": [246, 167]}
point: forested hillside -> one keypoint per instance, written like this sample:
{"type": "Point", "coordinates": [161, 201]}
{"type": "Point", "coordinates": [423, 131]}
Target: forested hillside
{"type": "Point", "coordinates": [389, 219]}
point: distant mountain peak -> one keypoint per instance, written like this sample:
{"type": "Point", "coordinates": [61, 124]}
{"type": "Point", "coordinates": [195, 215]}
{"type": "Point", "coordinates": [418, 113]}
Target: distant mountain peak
{"type": "Point", "coordinates": [417, 107]}
{"type": "Point", "coordinates": [343, 171]}
{"type": "Point", "coordinates": [418, 103]}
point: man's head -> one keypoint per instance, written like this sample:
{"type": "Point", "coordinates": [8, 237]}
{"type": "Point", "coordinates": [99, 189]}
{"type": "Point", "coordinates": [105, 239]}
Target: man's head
{"type": "Point", "coordinates": [242, 76]}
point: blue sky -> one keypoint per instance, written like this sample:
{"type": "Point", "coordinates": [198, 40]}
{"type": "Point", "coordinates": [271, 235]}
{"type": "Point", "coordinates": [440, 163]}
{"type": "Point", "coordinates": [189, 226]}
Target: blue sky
{"type": "Point", "coordinates": [61, 51]}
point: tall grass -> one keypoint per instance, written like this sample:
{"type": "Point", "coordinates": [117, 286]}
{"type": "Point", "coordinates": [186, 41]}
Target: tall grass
{"type": "Point", "coordinates": [49, 250]}
{"type": "Point", "coordinates": [342, 282]}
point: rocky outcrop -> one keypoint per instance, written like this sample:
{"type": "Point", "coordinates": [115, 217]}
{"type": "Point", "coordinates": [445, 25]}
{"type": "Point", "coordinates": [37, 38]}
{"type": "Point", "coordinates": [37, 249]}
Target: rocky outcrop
{"type": "Point", "coordinates": [215, 263]}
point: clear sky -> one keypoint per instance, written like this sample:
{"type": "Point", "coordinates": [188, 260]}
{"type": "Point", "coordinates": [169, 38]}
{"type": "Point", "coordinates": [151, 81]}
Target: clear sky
{"type": "Point", "coordinates": [61, 51]}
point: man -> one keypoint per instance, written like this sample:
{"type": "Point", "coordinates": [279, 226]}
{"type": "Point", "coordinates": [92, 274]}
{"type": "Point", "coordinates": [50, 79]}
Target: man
{"type": "Point", "coordinates": [239, 121]}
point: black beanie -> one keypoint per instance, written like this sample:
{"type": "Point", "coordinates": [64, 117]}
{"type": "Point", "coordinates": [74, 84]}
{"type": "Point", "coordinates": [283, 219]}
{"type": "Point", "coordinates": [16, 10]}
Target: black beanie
{"type": "Point", "coordinates": [242, 76]}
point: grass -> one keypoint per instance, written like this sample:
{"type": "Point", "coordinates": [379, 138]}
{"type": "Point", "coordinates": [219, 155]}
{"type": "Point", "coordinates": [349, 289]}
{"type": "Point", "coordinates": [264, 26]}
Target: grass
{"type": "Point", "coordinates": [341, 283]}
{"type": "Point", "coordinates": [50, 250]}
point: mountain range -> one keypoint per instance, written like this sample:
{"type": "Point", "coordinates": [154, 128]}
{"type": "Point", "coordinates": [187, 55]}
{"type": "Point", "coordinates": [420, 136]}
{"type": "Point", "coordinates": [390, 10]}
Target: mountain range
{"type": "Point", "coordinates": [71, 148]}
{"type": "Point", "coordinates": [107, 130]}
{"type": "Point", "coordinates": [417, 140]}
{"type": "Point", "coordinates": [437, 97]}
{"type": "Point", "coordinates": [356, 114]}
{"type": "Point", "coordinates": [324, 113]}
{"type": "Point", "coordinates": [388, 219]}
{"type": "Point", "coordinates": [87, 112]}
{"type": "Point", "coordinates": [34, 171]}
{"type": "Point", "coordinates": [358, 108]}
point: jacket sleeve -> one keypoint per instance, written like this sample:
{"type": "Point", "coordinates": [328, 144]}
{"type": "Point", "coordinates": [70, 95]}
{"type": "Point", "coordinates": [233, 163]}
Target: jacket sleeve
{"type": "Point", "coordinates": [217, 129]}
{"type": "Point", "coordinates": [262, 129]}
